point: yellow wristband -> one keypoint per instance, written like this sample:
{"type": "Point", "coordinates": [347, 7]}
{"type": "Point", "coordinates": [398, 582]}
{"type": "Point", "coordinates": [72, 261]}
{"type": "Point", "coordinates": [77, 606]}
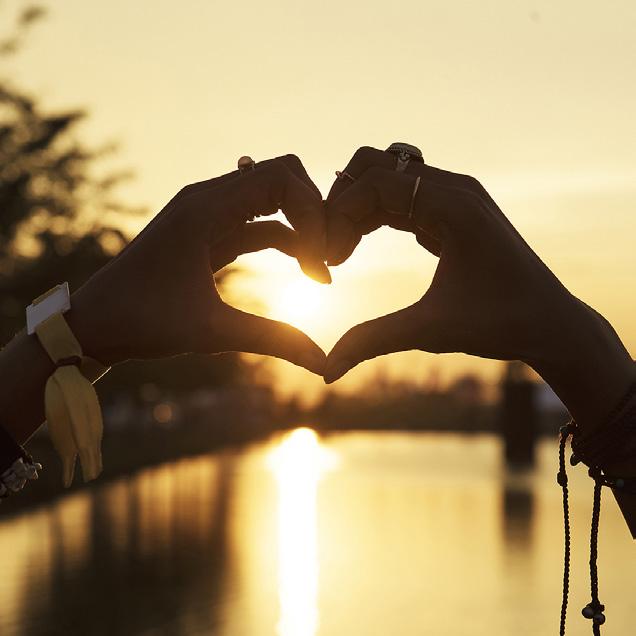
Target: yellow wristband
{"type": "Point", "coordinates": [70, 402]}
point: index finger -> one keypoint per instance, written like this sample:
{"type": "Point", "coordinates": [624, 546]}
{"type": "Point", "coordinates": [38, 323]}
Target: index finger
{"type": "Point", "coordinates": [363, 158]}
{"type": "Point", "coordinates": [344, 233]}
{"type": "Point", "coordinates": [270, 186]}
{"type": "Point", "coordinates": [344, 230]}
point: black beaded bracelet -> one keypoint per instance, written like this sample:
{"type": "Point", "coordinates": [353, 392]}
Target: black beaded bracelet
{"type": "Point", "coordinates": [16, 465]}
{"type": "Point", "coordinates": [611, 442]}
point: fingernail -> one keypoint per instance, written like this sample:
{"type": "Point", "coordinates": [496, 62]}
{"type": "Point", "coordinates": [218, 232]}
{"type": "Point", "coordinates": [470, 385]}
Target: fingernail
{"type": "Point", "coordinates": [336, 370]}
{"type": "Point", "coordinates": [324, 275]}
{"type": "Point", "coordinates": [316, 270]}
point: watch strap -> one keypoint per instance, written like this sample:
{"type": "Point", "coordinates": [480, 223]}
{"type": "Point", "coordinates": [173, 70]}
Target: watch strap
{"type": "Point", "coordinates": [70, 401]}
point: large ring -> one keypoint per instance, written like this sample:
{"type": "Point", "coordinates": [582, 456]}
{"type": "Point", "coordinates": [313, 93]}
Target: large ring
{"type": "Point", "coordinates": [245, 164]}
{"type": "Point", "coordinates": [405, 153]}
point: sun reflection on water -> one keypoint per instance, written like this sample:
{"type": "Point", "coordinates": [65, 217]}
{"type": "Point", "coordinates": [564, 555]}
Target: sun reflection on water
{"type": "Point", "coordinates": [298, 463]}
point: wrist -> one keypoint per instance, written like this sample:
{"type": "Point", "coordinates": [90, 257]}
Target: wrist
{"type": "Point", "coordinates": [588, 367]}
{"type": "Point", "coordinates": [89, 330]}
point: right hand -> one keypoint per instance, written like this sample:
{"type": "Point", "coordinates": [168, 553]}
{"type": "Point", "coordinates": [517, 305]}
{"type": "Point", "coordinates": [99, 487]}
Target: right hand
{"type": "Point", "coordinates": [491, 295]}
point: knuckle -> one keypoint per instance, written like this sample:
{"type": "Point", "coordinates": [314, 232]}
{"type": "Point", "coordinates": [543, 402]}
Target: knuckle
{"type": "Point", "coordinates": [473, 184]}
{"type": "Point", "coordinates": [277, 169]}
{"type": "Point", "coordinates": [363, 157]}
{"type": "Point", "coordinates": [292, 159]}
{"type": "Point", "coordinates": [373, 173]}
{"type": "Point", "coordinates": [185, 191]}
{"type": "Point", "coordinates": [364, 152]}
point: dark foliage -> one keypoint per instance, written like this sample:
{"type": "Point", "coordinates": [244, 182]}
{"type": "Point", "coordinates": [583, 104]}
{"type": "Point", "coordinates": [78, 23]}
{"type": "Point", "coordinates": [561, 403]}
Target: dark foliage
{"type": "Point", "coordinates": [60, 221]}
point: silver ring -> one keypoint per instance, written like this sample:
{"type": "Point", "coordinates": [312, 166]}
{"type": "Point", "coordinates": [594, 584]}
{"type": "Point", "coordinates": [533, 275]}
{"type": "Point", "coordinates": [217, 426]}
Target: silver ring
{"type": "Point", "coordinates": [343, 174]}
{"type": "Point", "coordinates": [245, 164]}
{"type": "Point", "coordinates": [405, 153]}
{"type": "Point", "coordinates": [412, 206]}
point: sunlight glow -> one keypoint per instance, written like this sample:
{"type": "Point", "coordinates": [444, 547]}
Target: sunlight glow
{"type": "Point", "coordinates": [299, 302]}
{"type": "Point", "coordinates": [298, 463]}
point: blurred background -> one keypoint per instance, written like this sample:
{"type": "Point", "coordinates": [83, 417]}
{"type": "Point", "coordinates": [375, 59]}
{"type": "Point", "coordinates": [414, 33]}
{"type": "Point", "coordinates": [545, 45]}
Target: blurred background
{"type": "Point", "coordinates": [242, 496]}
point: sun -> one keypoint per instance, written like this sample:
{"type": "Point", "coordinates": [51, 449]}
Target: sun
{"type": "Point", "coordinates": [299, 302]}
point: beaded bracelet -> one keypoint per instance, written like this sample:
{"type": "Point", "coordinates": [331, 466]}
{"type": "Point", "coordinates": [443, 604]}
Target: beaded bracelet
{"type": "Point", "coordinates": [16, 476]}
{"type": "Point", "coordinates": [609, 443]}
{"type": "Point", "coordinates": [613, 441]}
{"type": "Point", "coordinates": [16, 466]}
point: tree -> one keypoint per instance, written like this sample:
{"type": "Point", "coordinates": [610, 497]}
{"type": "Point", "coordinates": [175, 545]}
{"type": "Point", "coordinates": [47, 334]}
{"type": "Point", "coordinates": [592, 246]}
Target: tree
{"type": "Point", "coordinates": [59, 221]}
{"type": "Point", "coordinates": [47, 194]}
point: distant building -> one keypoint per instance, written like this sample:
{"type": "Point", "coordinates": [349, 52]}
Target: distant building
{"type": "Point", "coordinates": [518, 414]}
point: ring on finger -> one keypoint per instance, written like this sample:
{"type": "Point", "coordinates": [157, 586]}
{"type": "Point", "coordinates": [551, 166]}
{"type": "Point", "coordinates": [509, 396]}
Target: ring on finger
{"type": "Point", "coordinates": [416, 187]}
{"type": "Point", "coordinates": [245, 164]}
{"type": "Point", "coordinates": [343, 174]}
{"type": "Point", "coordinates": [405, 153]}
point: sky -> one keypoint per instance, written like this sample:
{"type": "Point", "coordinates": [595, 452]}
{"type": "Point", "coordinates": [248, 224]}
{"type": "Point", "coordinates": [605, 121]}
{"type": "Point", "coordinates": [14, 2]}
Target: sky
{"type": "Point", "coordinates": [536, 99]}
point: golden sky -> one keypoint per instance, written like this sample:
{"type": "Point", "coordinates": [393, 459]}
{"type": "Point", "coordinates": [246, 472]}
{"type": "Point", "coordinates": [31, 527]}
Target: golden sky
{"type": "Point", "coordinates": [536, 99]}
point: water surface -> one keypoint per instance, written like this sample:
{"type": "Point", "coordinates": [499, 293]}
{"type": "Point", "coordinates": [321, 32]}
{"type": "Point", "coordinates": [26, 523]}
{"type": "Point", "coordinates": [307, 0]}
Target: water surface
{"type": "Point", "coordinates": [359, 533]}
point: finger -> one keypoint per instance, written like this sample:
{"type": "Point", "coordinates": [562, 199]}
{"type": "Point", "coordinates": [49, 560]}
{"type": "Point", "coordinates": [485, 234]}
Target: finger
{"type": "Point", "coordinates": [350, 233]}
{"type": "Point", "coordinates": [429, 242]}
{"type": "Point", "coordinates": [254, 237]}
{"type": "Point", "coordinates": [343, 234]}
{"type": "Point", "coordinates": [363, 159]}
{"type": "Point", "coordinates": [394, 332]}
{"type": "Point", "coordinates": [398, 199]}
{"type": "Point", "coordinates": [297, 167]}
{"type": "Point", "coordinates": [290, 160]}
{"type": "Point", "coordinates": [377, 197]}
{"type": "Point", "coordinates": [241, 331]}
{"type": "Point", "coordinates": [311, 226]}
{"type": "Point", "coordinates": [207, 185]}
{"type": "Point", "coordinates": [368, 157]}
{"type": "Point", "coordinates": [269, 187]}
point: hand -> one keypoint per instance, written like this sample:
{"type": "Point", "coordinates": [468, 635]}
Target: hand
{"type": "Point", "coordinates": [490, 291]}
{"type": "Point", "coordinates": [491, 295]}
{"type": "Point", "coordinates": [157, 298]}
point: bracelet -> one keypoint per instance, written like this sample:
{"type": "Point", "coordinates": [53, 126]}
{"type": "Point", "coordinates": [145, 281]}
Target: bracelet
{"type": "Point", "coordinates": [70, 402]}
{"type": "Point", "coordinates": [16, 476]}
{"type": "Point", "coordinates": [611, 442]}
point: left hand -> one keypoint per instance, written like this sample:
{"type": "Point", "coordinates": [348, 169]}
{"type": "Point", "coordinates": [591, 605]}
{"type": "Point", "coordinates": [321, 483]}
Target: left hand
{"type": "Point", "coordinates": [158, 298]}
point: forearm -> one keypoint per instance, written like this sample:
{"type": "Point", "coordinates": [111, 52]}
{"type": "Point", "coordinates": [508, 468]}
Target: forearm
{"type": "Point", "coordinates": [24, 369]}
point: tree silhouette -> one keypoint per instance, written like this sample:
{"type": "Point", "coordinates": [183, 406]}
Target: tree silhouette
{"type": "Point", "coordinates": [61, 222]}
{"type": "Point", "coordinates": [48, 197]}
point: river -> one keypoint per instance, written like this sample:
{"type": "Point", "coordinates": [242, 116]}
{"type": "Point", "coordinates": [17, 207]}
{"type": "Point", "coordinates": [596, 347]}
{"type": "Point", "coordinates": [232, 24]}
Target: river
{"type": "Point", "coordinates": [352, 534]}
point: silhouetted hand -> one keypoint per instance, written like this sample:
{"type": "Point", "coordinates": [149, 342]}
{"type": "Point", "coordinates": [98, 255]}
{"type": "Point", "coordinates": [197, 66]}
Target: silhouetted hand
{"type": "Point", "coordinates": [158, 298]}
{"type": "Point", "coordinates": [491, 295]}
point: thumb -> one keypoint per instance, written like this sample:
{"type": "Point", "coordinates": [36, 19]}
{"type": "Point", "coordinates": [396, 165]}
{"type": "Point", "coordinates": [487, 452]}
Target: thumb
{"type": "Point", "coordinates": [398, 331]}
{"type": "Point", "coordinates": [242, 331]}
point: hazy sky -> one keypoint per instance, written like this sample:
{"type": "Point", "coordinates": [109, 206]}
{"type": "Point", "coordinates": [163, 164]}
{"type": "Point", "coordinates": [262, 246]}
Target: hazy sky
{"type": "Point", "coordinates": [536, 99]}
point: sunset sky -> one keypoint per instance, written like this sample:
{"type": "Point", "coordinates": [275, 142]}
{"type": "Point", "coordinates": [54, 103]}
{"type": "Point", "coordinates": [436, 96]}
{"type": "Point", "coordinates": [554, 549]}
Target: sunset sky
{"type": "Point", "coordinates": [536, 99]}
